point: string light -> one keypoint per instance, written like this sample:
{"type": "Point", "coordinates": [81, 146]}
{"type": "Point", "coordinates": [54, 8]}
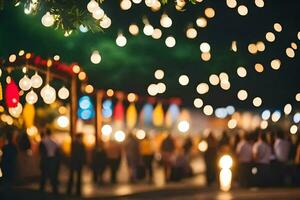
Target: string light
{"type": "Point", "coordinates": [242, 72]}
{"type": "Point", "coordinates": [133, 29]}
{"type": "Point", "coordinates": [159, 74]}
{"type": "Point", "coordinates": [121, 40]}
{"type": "Point", "coordinates": [183, 80]}
{"type": "Point", "coordinates": [170, 41]}
{"type": "Point", "coordinates": [165, 21]}
{"type": "Point", "coordinates": [201, 22]}
{"type": "Point", "coordinates": [202, 88]}
{"type": "Point", "coordinates": [214, 79]}
{"type": "Point", "coordinates": [242, 10]}
{"type": "Point", "coordinates": [63, 93]}
{"type": "Point", "coordinates": [48, 20]}
{"type": "Point", "coordinates": [242, 95]}
{"type": "Point", "coordinates": [198, 103]}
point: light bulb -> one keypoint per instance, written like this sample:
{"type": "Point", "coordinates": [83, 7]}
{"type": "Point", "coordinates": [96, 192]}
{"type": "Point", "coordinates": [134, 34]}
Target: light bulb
{"type": "Point", "coordinates": [48, 20]}
{"type": "Point", "coordinates": [49, 94]}
{"type": "Point", "coordinates": [105, 22]}
{"type": "Point", "coordinates": [36, 80]}
{"type": "Point", "coordinates": [63, 93]}
{"type": "Point", "coordinates": [98, 13]}
{"type": "Point", "coordinates": [31, 97]}
{"type": "Point", "coordinates": [95, 57]}
{"type": "Point", "coordinates": [16, 111]}
{"type": "Point", "coordinates": [25, 83]}
{"type": "Point", "coordinates": [121, 40]}
{"type": "Point", "coordinates": [92, 6]}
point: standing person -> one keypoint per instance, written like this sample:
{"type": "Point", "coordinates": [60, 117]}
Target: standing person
{"type": "Point", "coordinates": [262, 155]}
{"type": "Point", "coordinates": [147, 153]}
{"type": "Point", "coordinates": [281, 150]}
{"type": "Point", "coordinates": [168, 152]}
{"type": "Point", "coordinates": [131, 147]}
{"type": "Point", "coordinates": [113, 152]}
{"type": "Point", "coordinates": [244, 157]}
{"type": "Point", "coordinates": [9, 159]}
{"type": "Point", "coordinates": [187, 147]}
{"type": "Point", "coordinates": [99, 162]}
{"type": "Point", "coordinates": [77, 160]}
{"type": "Point", "coordinates": [210, 157]}
{"type": "Point", "coordinates": [49, 161]}
{"type": "Point", "coordinates": [296, 176]}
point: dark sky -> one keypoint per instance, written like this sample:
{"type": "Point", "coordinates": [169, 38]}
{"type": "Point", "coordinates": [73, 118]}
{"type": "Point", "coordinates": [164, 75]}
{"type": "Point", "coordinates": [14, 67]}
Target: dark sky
{"type": "Point", "coordinates": [131, 68]}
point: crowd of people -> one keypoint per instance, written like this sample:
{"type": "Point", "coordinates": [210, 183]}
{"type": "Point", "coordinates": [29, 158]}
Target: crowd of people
{"type": "Point", "coordinates": [261, 158]}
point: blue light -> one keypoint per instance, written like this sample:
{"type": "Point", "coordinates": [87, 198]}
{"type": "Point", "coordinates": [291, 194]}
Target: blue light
{"type": "Point", "coordinates": [230, 110]}
{"type": "Point", "coordinates": [107, 109]}
{"type": "Point", "coordinates": [296, 118]}
{"type": "Point", "coordinates": [221, 113]}
{"type": "Point", "coordinates": [85, 102]}
{"type": "Point", "coordinates": [86, 114]}
{"type": "Point", "coordinates": [174, 110]}
{"type": "Point", "coordinates": [266, 115]}
{"type": "Point", "coordinates": [147, 112]}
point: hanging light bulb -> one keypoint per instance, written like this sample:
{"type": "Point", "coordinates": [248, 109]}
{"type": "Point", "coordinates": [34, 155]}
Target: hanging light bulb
{"type": "Point", "coordinates": [63, 93]}
{"type": "Point", "coordinates": [121, 40]}
{"type": "Point", "coordinates": [165, 21]}
{"type": "Point", "coordinates": [48, 20]}
{"type": "Point", "coordinates": [25, 83]}
{"type": "Point", "coordinates": [98, 13]}
{"type": "Point", "coordinates": [105, 22]}
{"type": "Point", "coordinates": [95, 57]}
{"type": "Point", "coordinates": [148, 29]}
{"type": "Point", "coordinates": [92, 6]}
{"type": "Point", "coordinates": [36, 80]}
{"type": "Point", "coordinates": [31, 97]}
{"type": "Point", "coordinates": [49, 94]}
{"type": "Point", "coordinates": [16, 111]}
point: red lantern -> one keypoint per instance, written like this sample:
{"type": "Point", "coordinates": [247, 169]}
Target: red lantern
{"type": "Point", "coordinates": [12, 94]}
{"type": "Point", "coordinates": [119, 112]}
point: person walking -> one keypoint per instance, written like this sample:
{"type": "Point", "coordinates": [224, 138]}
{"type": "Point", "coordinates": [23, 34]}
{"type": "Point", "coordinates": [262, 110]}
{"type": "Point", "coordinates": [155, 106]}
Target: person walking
{"type": "Point", "coordinates": [131, 147]}
{"type": "Point", "coordinates": [113, 152]}
{"type": "Point", "coordinates": [9, 159]}
{"type": "Point", "coordinates": [99, 162]}
{"type": "Point", "coordinates": [77, 161]}
{"type": "Point", "coordinates": [210, 157]}
{"type": "Point", "coordinates": [147, 153]}
{"type": "Point", "coordinates": [49, 161]}
{"type": "Point", "coordinates": [168, 155]}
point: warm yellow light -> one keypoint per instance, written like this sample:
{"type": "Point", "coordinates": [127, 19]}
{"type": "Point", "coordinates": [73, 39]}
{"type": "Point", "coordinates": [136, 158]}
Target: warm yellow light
{"type": "Point", "coordinates": [270, 37]}
{"type": "Point", "coordinates": [170, 41]}
{"type": "Point", "coordinates": [62, 110]}
{"type": "Point", "coordinates": [259, 3]}
{"type": "Point", "coordinates": [95, 57]}
{"type": "Point", "coordinates": [76, 69]}
{"type": "Point", "coordinates": [48, 20]}
{"type": "Point", "coordinates": [202, 88]}
{"type": "Point", "coordinates": [161, 88]}
{"type": "Point", "coordinates": [165, 21]}
{"type": "Point", "coordinates": [106, 130]}
{"type": "Point", "coordinates": [183, 126]}
{"type": "Point", "coordinates": [16, 111]}
{"type": "Point", "coordinates": [82, 76]}
{"type": "Point", "coordinates": [31, 97]}
{"type": "Point", "coordinates": [31, 131]}
{"type": "Point", "coordinates": [21, 52]}
{"type": "Point", "coordinates": [140, 134]}
{"type": "Point", "coordinates": [242, 72]}
{"type": "Point", "coordinates": [294, 45]}
{"type": "Point", "coordinates": [293, 129]}
{"type": "Point", "coordinates": [133, 29]}
{"type": "Point", "coordinates": [25, 83]}
{"type": "Point", "coordinates": [264, 124]}
{"type": "Point", "coordinates": [205, 56]}
{"type": "Point", "coordinates": [204, 47]}
{"type": "Point", "coordinates": [234, 46]}
{"type": "Point", "coordinates": [201, 22]}
{"type": "Point", "coordinates": [259, 67]}
{"type": "Point", "coordinates": [63, 121]}
{"type": "Point", "coordinates": [159, 74]}
{"type": "Point", "coordinates": [297, 97]}
{"type": "Point", "coordinates": [260, 46]}
{"type": "Point", "coordinates": [12, 58]}
{"type": "Point", "coordinates": [121, 40]}
{"type": "Point", "coordinates": [203, 146]}
{"type": "Point", "coordinates": [63, 93]}
{"type": "Point", "coordinates": [225, 84]}
{"type": "Point", "coordinates": [209, 12]}
{"type": "Point", "coordinates": [110, 92]}
{"type": "Point", "coordinates": [231, 3]}
{"type": "Point", "coordinates": [125, 4]}
{"type": "Point", "coordinates": [275, 64]}
{"type": "Point", "coordinates": [89, 89]}
{"type": "Point", "coordinates": [191, 33]}
{"type": "Point", "coordinates": [119, 136]}
{"type": "Point", "coordinates": [242, 95]}
{"type": "Point", "coordinates": [152, 90]}
{"type": "Point", "coordinates": [148, 29]}
{"type": "Point", "coordinates": [232, 123]}
{"type": "Point", "coordinates": [131, 97]}
{"type": "Point", "coordinates": [208, 110]}
{"type": "Point", "coordinates": [214, 79]}
{"type": "Point", "coordinates": [276, 116]}
{"type": "Point", "coordinates": [225, 162]}
{"type": "Point", "coordinates": [105, 22]}
{"type": "Point", "coordinates": [225, 179]}
{"type": "Point", "coordinates": [224, 76]}
{"type": "Point", "coordinates": [183, 80]}
{"type": "Point", "coordinates": [198, 103]}
{"type": "Point", "coordinates": [242, 10]}
{"type": "Point", "coordinates": [156, 33]}
{"type": "Point", "coordinates": [252, 48]}
{"type": "Point", "coordinates": [257, 101]}
{"type": "Point", "coordinates": [290, 52]}
{"type": "Point", "coordinates": [287, 109]}
{"type": "Point", "coordinates": [56, 57]}
{"type": "Point", "coordinates": [277, 27]}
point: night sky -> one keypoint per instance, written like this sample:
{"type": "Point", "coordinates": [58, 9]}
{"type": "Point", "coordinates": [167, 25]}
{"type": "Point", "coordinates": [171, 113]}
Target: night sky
{"type": "Point", "coordinates": [131, 68]}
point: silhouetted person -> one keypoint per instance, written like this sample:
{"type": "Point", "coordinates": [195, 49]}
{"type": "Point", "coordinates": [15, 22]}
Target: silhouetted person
{"type": "Point", "coordinates": [147, 153]}
{"type": "Point", "coordinates": [187, 147]}
{"type": "Point", "coordinates": [113, 152]}
{"type": "Point", "coordinates": [168, 157]}
{"type": "Point", "coordinates": [131, 147]}
{"type": "Point", "coordinates": [77, 161]}
{"type": "Point", "coordinates": [9, 159]}
{"type": "Point", "coordinates": [49, 161]}
{"type": "Point", "coordinates": [210, 157]}
{"type": "Point", "coordinates": [99, 162]}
